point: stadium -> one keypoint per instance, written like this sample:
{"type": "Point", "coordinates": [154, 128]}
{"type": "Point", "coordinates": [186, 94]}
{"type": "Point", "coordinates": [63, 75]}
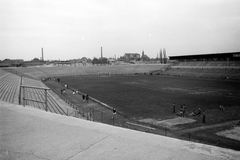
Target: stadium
{"type": "Point", "coordinates": [122, 80]}
{"type": "Point", "coordinates": [142, 94]}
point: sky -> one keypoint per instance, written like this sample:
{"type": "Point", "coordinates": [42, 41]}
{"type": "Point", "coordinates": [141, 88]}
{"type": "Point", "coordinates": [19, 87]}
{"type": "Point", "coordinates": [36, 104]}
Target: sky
{"type": "Point", "coordinates": [72, 29]}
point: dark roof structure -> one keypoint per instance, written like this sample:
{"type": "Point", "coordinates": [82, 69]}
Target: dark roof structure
{"type": "Point", "coordinates": [235, 56]}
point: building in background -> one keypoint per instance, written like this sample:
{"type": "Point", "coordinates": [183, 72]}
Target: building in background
{"type": "Point", "coordinates": [12, 63]}
{"type": "Point", "coordinates": [129, 57]}
{"type": "Point", "coordinates": [111, 61]}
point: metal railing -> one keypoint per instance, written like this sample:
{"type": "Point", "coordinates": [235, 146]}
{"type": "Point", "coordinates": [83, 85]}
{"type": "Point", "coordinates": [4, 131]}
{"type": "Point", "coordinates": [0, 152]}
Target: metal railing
{"type": "Point", "coordinates": [23, 95]}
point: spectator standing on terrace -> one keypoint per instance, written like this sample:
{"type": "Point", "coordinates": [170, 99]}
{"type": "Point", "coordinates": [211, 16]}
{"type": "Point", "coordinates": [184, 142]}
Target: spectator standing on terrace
{"type": "Point", "coordinates": [83, 97]}
{"type": "Point", "coordinates": [62, 90]}
{"type": "Point", "coordinates": [174, 106]}
{"type": "Point", "coordinates": [87, 97]}
{"type": "Point", "coordinates": [114, 112]}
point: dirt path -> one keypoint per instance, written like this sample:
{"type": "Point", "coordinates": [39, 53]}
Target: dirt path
{"type": "Point", "coordinates": [208, 127]}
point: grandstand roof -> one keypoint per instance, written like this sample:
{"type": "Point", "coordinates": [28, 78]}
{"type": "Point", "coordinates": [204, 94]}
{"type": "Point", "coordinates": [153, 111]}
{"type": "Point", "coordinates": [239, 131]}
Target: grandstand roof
{"type": "Point", "coordinates": [211, 56]}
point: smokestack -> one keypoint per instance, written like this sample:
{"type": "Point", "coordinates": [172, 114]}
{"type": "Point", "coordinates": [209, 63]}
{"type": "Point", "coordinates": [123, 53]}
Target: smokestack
{"type": "Point", "coordinates": [42, 55]}
{"type": "Point", "coordinates": [101, 52]}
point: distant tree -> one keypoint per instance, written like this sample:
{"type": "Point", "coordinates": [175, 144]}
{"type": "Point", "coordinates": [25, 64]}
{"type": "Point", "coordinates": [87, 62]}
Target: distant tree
{"type": "Point", "coordinates": [103, 60]}
{"type": "Point", "coordinates": [139, 59]}
{"type": "Point", "coordinates": [145, 58]}
{"type": "Point", "coordinates": [35, 59]}
{"type": "Point", "coordinates": [84, 58]}
{"type": "Point", "coordinates": [6, 59]}
{"type": "Point", "coordinates": [161, 56]}
{"type": "Point", "coordinates": [89, 60]}
{"type": "Point", "coordinates": [164, 56]}
{"type": "Point", "coordinates": [95, 61]}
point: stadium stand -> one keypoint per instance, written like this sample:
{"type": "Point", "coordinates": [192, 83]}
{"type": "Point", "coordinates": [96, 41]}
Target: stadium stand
{"type": "Point", "coordinates": [3, 72]}
{"type": "Point", "coordinates": [220, 73]}
{"type": "Point", "coordinates": [43, 72]}
{"type": "Point", "coordinates": [37, 94]}
{"type": "Point", "coordinates": [230, 59]}
{"type": "Point", "coordinates": [10, 85]}
{"type": "Point", "coordinates": [216, 65]}
{"type": "Point", "coordinates": [208, 63]}
{"type": "Point", "coordinates": [207, 69]}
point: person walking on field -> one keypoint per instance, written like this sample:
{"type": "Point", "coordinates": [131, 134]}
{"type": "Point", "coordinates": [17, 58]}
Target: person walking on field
{"type": "Point", "coordinates": [203, 117]}
{"type": "Point", "coordinates": [184, 109]}
{"type": "Point", "coordinates": [174, 106]}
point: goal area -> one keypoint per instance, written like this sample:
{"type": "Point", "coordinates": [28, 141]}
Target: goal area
{"type": "Point", "coordinates": [104, 74]}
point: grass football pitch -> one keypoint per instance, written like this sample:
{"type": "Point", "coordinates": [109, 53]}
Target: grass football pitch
{"type": "Point", "coordinates": [145, 96]}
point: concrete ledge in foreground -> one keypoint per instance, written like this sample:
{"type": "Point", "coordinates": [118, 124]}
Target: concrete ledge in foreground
{"type": "Point", "coordinates": [28, 133]}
